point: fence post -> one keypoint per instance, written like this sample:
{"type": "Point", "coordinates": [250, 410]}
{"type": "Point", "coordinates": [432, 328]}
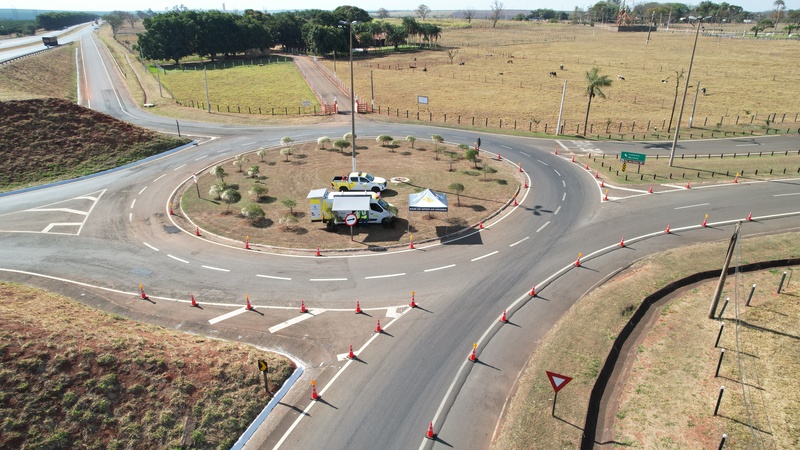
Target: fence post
{"type": "Point", "coordinates": [719, 364]}
{"type": "Point", "coordinates": [750, 297]}
{"type": "Point", "coordinates": [783, 278]}
{"type": "Point", "coordinates": [719, 399]}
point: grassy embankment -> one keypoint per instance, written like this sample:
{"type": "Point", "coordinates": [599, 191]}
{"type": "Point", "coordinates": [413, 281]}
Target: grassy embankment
{"type": "Point", "coordinates": [74, 377]}
{"type": "Point", "coordinates": [311, 167]}
{"type": "Point", "coordinates": [672, 387]}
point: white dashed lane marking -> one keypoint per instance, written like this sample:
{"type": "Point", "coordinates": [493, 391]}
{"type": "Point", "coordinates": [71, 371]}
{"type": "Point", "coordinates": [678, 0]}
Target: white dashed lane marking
{"type": "Point", "coordinates": [178, 259]}
{"type": "Point", "coordinates": [440, 268]}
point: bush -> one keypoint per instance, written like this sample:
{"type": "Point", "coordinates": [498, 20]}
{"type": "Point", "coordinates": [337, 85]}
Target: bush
{"type": "Point", "coordinates": [253, 212]}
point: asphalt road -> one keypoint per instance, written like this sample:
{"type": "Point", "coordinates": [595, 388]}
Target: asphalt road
{"type": "Point", "coordinates": [112, 232]}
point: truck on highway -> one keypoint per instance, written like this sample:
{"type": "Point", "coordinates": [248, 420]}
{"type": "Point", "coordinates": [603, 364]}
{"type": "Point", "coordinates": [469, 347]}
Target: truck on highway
{"type": "Point", "coordinates": [358, 181]}
{"type": "Point", "coordinates": [331, 208]}
{"type": "Point", "coordinates": [50, 41]}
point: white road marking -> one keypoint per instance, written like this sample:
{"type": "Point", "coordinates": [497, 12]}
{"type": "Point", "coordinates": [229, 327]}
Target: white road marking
{"type": "Point", "coordinates": [542, 227]}
{"type": "Point", "coordinates": [216, 268]}
{"type": "Point", "coordinates": [784, 195]}
{"type": "Point", "coordinates": [233, 313]}
{"type": "Point", "coordinates": [505, 146]}
{"type": "Point", "coordinates": [50, 227]}
{"type": "Point", "coordinates": [440, 268]}
{"type": "Point", "coordinates": [204, 156]}
{"type": "Point", "coordinates": [178, 259]}
{"type": "Point", "coordinates": [162, 176]}
{"type": "Point", "coordinates": [521, 240]}
{"type": "Point", "coordinates": [384, 276]}
{"type": "Point", "coordinates": [182, 165]}
{"type": "Point", "coordinates": [328, 279]}
{"type": "Point", "coordinates": [140, 192]}
{"type": "Point", "coordinates": [130, 217]}
{"type": "Point", "coordinates": [133, 203]}
{"type": "Point", "coordinates": [484, 256]}
{"type": "Point", "coordinates": [66, 210]}
{"type": "Point", "coordinates": [564, 197]}
{"type": "Point", "coordinates": [88, 197]}
{"type": "Point", "coordinates": [746, 145]}
{"type": "Point", "coordinates": [563, 183]}
{"type": "Point", "coordinates": [543, 162]}
{"type": "Point", "coordinates": [273, 278]}
{"type": "Point", "coordinates": [393, 313]}
{"type": "Point", "coordinates": [526, 154]}
{"type": "Point", "coordinates": [311, 313]}
{"type": "Point", "coordinates": [557, 210]}
{"type": "Point", "coordinates": [151, 247]}
{"type": "Point", "coordinates": [557, 172]}
{"type": "Point", "coordinates": [693, 206]}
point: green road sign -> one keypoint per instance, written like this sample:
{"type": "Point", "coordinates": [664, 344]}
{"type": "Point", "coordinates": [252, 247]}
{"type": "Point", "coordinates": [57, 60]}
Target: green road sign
{"type": "Point", "coordinates": [634, 158]}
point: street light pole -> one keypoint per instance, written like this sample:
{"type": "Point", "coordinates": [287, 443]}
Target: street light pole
{"type": "Point", "coordinates": [352, 95]}
{"type": "Point", "coordinates": [685, 90]}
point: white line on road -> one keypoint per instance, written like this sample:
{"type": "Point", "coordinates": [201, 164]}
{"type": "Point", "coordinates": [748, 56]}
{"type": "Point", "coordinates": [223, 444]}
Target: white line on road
{"type": "Point", "coordinates": [182, 165]}
{"type": "Point", "coordinates": [216, 268]}
{"type": "Point", "coordinates": [273, 278]}
{"type": "Point", "coordinates": [557, 210]}
{"type": "Point", "coordinates": [130, 217]}
{"type": "Point", "coordinates": [328, 279]}
{"type": "Point", "coordinates": [557, 172]}
{"type": "Point", "coordinates": [693, 206]}
{"type": "Point", "coordinates": [784, 195]}
{"type": "Point", "coordinates": [50, 227]}
{"type": "Point", "coordinates": [543, 162]}
{"type": "Point", "coordinates": [746, 145]}
{"type": "Point", "coordinates": [162, 176]}
{"type": "Point", "coordinates": [233, 313]}
{"type": "Point", "coordinates": [311, 313]}
{"type": "Point", "coordinates": [384, 276]}
{"type": "Point", "coordinates": [204, 156]}
{"type": "Point", "coordinates": [563, 183]}
{"type": "Point", "coordinates": [151, 247]}
{"type": "Point", "coordinates": [526, 154]}
{"type": "Point", "coordinates": [505, 146]}
{"type": "Point", "coordinates": [542, 227]}
{"type": "Point", "coordinates": [564, 197]}
{"type": "Point", "coordinates": [140, 192]}
{"type": "Point", "coordinates": [440, 268]}
{"type": "Point", "coordinates": [393, 313]}
{"type": "Point", "coordinates": [521, 240]}
{"type": "Point", "coordinates": [178, 259]}
{"type": "Point", "coordinates": [484, 256]}
{"type": "Point", "coordinates": [133, 203]}
{"type": "Point", "coordinates": [66, 210]}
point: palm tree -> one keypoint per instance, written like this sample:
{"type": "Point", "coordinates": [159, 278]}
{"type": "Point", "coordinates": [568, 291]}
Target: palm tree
{"type": "Point", "coordinates": [253, 212]}
{"type": "Point", "coordinates": [230, 196]}
{"type": "Point", "coordinates": [341, 144]}
{"type": "Point", "coordinates": [253, 171]}
{"type": "Point", "coordinates": [458, 188]}
{"type": "Point", "coordinates": [322, 141]}
{"type": "Point", "coordinates": [258, 191]}
{"type": "Point", "coordinates": [239, 161]}
{"type": "Point", "coordinates": [218, 172]}
{"type": "Point", "coordinates": [286, 140]}
{"type": "Point", "coordinates": [384, 139]}
{"type": "Point", "coordinates": [594, 81]}
{"type": "Point", "coordinates": [286, 152]}
{"type": "Point", "coordinates": [217, 189]}
{"type": "Point", "coordinates": [261, 153]}
{"type": "Point", "coordinates": [411, 139]}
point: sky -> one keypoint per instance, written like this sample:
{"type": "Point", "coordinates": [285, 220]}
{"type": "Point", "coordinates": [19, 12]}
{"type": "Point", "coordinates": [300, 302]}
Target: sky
{"type": "Point", "coordinates": [369, 5]}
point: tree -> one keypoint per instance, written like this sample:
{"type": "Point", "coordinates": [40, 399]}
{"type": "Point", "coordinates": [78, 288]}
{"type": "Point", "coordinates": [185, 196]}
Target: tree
{"type": "Point", "coordinates": [487, 170]}
{"type": "Point", "coordinates": [411, 139]}
{"type": "Point", "coordinates": [262, 152]}
{"type": "Point", "coordinates": [438, 150]}
{"type": "Point", "coordinates": [395, 35]}
{"type": "Point", "coordinates": [497, 11]}
{"type": "Point", "coordinates": [114, 21]}
{"type": "Point", "coordinates": [790, 28]}
{"type": "Point", "coordinates": [253, 171]}
{"type": "Point", "coordinates": [239, 160]}
{"type": "Point", "coordinates": [258, 191]}
{"type": "Point", "coordinates": [469, 14]}
{"type": "Point", "coordinates": [594, 81]}
{"type": "Point", "coordinates": [422, 11]}
{"type": "Point", "coordinates": [383, 13]}
{"type": "Point", "coordinates": [217, 189]}
{"type": "Point", "coordinates": [458, 188]}
{"type": "Point", "coordinates": [756, 28]}
{"type": "Point", "coordinates": [341, 144]}
{"type": "Point", "coordinates": [289, 203]}
{"type": "Point", "coordinates": [230, 196]}
{"type": "Point", "coordinates": [253, 213]}
{"type": "Point", "coordinates": [437, 139]}
{"type": "Point", "coordinates": [779, 5]}
{"type": "Point", "coordinates": [288, 221]}
{"type": "Point", "coordinates": [286, 151]}
{"type": "Point", "coordinates": [472, 155]}
{"type": "Point", "coordinates": [171, 35]}
{"type": "Point", "coordinates": [348, 136]}
{"type": "Point", "coordinates": [322, 141]}
{"type": "Point", "coordinates": [384, 139]}
{"type": "Point", "coordinates": [451, 53]}
{"type": "Point", "coordinates": [218, 172]}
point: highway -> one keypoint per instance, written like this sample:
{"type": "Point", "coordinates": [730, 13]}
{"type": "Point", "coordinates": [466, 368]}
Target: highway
{"type": "Point", "coordinates": [97, 239]}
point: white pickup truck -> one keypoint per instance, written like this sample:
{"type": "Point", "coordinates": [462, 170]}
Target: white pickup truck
{"type": "Point", "coordinates": [358, 181]}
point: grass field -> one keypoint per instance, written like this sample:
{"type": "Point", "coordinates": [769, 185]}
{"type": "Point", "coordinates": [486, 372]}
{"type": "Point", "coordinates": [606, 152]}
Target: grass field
{"type": "Point", "coordinates": [73, 377]}
{"type": "Point", "coordinates": [311, 168]}
{"type": "Point", "coordinates": [579, 343]}
{"type": "Point", "coordinates": [50, 74]}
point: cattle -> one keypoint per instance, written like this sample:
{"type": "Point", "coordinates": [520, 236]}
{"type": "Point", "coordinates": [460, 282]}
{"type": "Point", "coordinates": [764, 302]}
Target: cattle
{"type": "Point", "coordinates": [461, 63]}
{"type": "Point", "coordinates": [703, 90]}
{"type": "Point", "coordinates": [510, 61]}
{"type": "Point", "coordinates": [553, 74]}
{"type": "Point", "coordinates": [663, 81]}
{"type": "Point", "coordinates": [620, 77]}
{"type": "Point", "coordinates": [561, 67]}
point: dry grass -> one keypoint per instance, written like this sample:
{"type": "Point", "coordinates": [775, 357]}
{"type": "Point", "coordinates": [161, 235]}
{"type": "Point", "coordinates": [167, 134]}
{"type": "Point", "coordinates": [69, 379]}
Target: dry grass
{"type": "Point", "coordinates": [757, 81]}
{"type": "Point", "coordinates": [669, 397]}
{"type": "Point", "coordinates": [577, 348]}
{"type": "Point", "coordinates": [49, 74]}
{"type": "Point", "coordinates": [313, 168]}
{"type": "Point", "coordinates": [73, 377]}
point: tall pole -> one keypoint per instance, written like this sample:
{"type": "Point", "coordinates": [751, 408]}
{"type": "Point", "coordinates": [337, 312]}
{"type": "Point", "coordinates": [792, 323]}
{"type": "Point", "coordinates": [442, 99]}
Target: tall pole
{"type": "Point", "coordinates": [352, 101]}
{"type": "Point", "coordinates": [205, 77]}
{"type": "Point", "coordinates": [561, 109]}
{"type": "Point", "coordinates": [334, 65]}
{"type": "Point", "coordinates": [158, 72]}
{"type": "Point", "coordinates": [685, 89]}
{"type": "Point", "coordinates": [650, 28]}
{"type": "Point", "coordinates": [694, 105]}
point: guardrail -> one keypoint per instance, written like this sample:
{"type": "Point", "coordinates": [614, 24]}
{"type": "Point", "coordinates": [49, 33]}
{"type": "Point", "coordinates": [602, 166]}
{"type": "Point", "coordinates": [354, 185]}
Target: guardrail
{"type": "Point", "coordinates": [23, 56]}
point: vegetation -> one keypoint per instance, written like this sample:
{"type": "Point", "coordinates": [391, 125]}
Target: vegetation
{"type": "Point", "coordinates": [594, 81]}
{"type": "Point", "coordinates": [58, 20]}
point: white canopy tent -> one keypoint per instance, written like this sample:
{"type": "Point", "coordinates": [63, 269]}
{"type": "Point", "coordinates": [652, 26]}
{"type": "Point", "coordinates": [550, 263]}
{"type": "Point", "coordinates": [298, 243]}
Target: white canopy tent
{"type": "Point", "coordinates": [428, 201]}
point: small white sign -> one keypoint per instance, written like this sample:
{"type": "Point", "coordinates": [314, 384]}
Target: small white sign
{"type": "Point", "coordinates": [421, 99]}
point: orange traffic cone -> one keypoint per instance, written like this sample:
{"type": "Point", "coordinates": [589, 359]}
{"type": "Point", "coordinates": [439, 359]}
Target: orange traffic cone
{"type": "Point", "coordinates": [194, 303]}
{"type": "Point", "coordinates": [472, 356]}
{"type": "Point", "coordinates": [247, 242]}
{"type": "Point", "coordinates": [411, 242]}
{"type": "Point", "coordinates": [171, 212]}
{"type": "Point", "coordinates": [515, 199]}
{"type": "Point", "coordinates": [736, 180]}
{"type": "Point", "coordinates": [503, 318]}
{"type": "Point", "coordinates": [688, 186]}
{"type": "Point", "coordinates": [750, 217]}
{"type": "Point", "coordinates": [480, 225]}
{"type": "Point", "coordinates": [430, 434]}
{"type": "Point", "coordinates": [533, 291]}
{"type": "Point", "coordinates": [413, 304]}
{"type": "Point", "coordinates": [499, 157]}
{"type": "Point", "coordinates": [378, 328]}
{"type": "Point", "coordinates": [303, 306]}
{"type": "Point", "coordinates": [249, 307]}
{"type": "Point", "coordinates": [520, 167]}
{"type": "Point", "coordinates": [605, 198]}
{"type": "Point", "coordinates": [602, 183]}
{"type": "Point", "coordinates": [573, 158]}
{"type": "Point", "coordinates": [705, 221]}
{"type": "Point", "coordinates": [351, 355]}
{"type": "Point", "coordinates": [318, 253]}
{"type": "Point", "coordinates": [587, 166]}
{"type": "Point", "coordinates": [141, 292]}
{"type": "Point", "coordinates": [651, 189]}
{"type": "Point", "coordinates": [525, 186]}
{"type": "Point", "coordinates": [197, 231]}
{"type": "Point", "coordinates": [597, 174]}
{"type": "Point", "coordinates": [358, 307]}
{"type": "Point", "coordinates": [314, 395]}
{"type": "Point", "coordinates": [556, 152]}
{"type": "Point", "coordinates": [578, 261]}
{"type": "Point", "coordinates": [622, 242]}
{"type": "Point", "coordinates": [667, 230]}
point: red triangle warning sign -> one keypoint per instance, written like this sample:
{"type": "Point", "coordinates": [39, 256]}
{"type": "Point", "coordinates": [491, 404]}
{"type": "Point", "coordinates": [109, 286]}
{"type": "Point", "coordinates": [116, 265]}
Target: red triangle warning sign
{"type": "Point", "coordinates": [557, 381]}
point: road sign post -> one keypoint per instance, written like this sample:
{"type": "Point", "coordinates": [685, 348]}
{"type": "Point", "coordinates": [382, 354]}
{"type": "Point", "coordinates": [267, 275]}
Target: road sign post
{"type": "Point", "coordinates": [558, 382]}
{"type": "Point", "coordinates": [262, 366]}
{"type": "Point", "coordinates": [350, 220]}
{"type": "Point", "coordinates": [633, 158]}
